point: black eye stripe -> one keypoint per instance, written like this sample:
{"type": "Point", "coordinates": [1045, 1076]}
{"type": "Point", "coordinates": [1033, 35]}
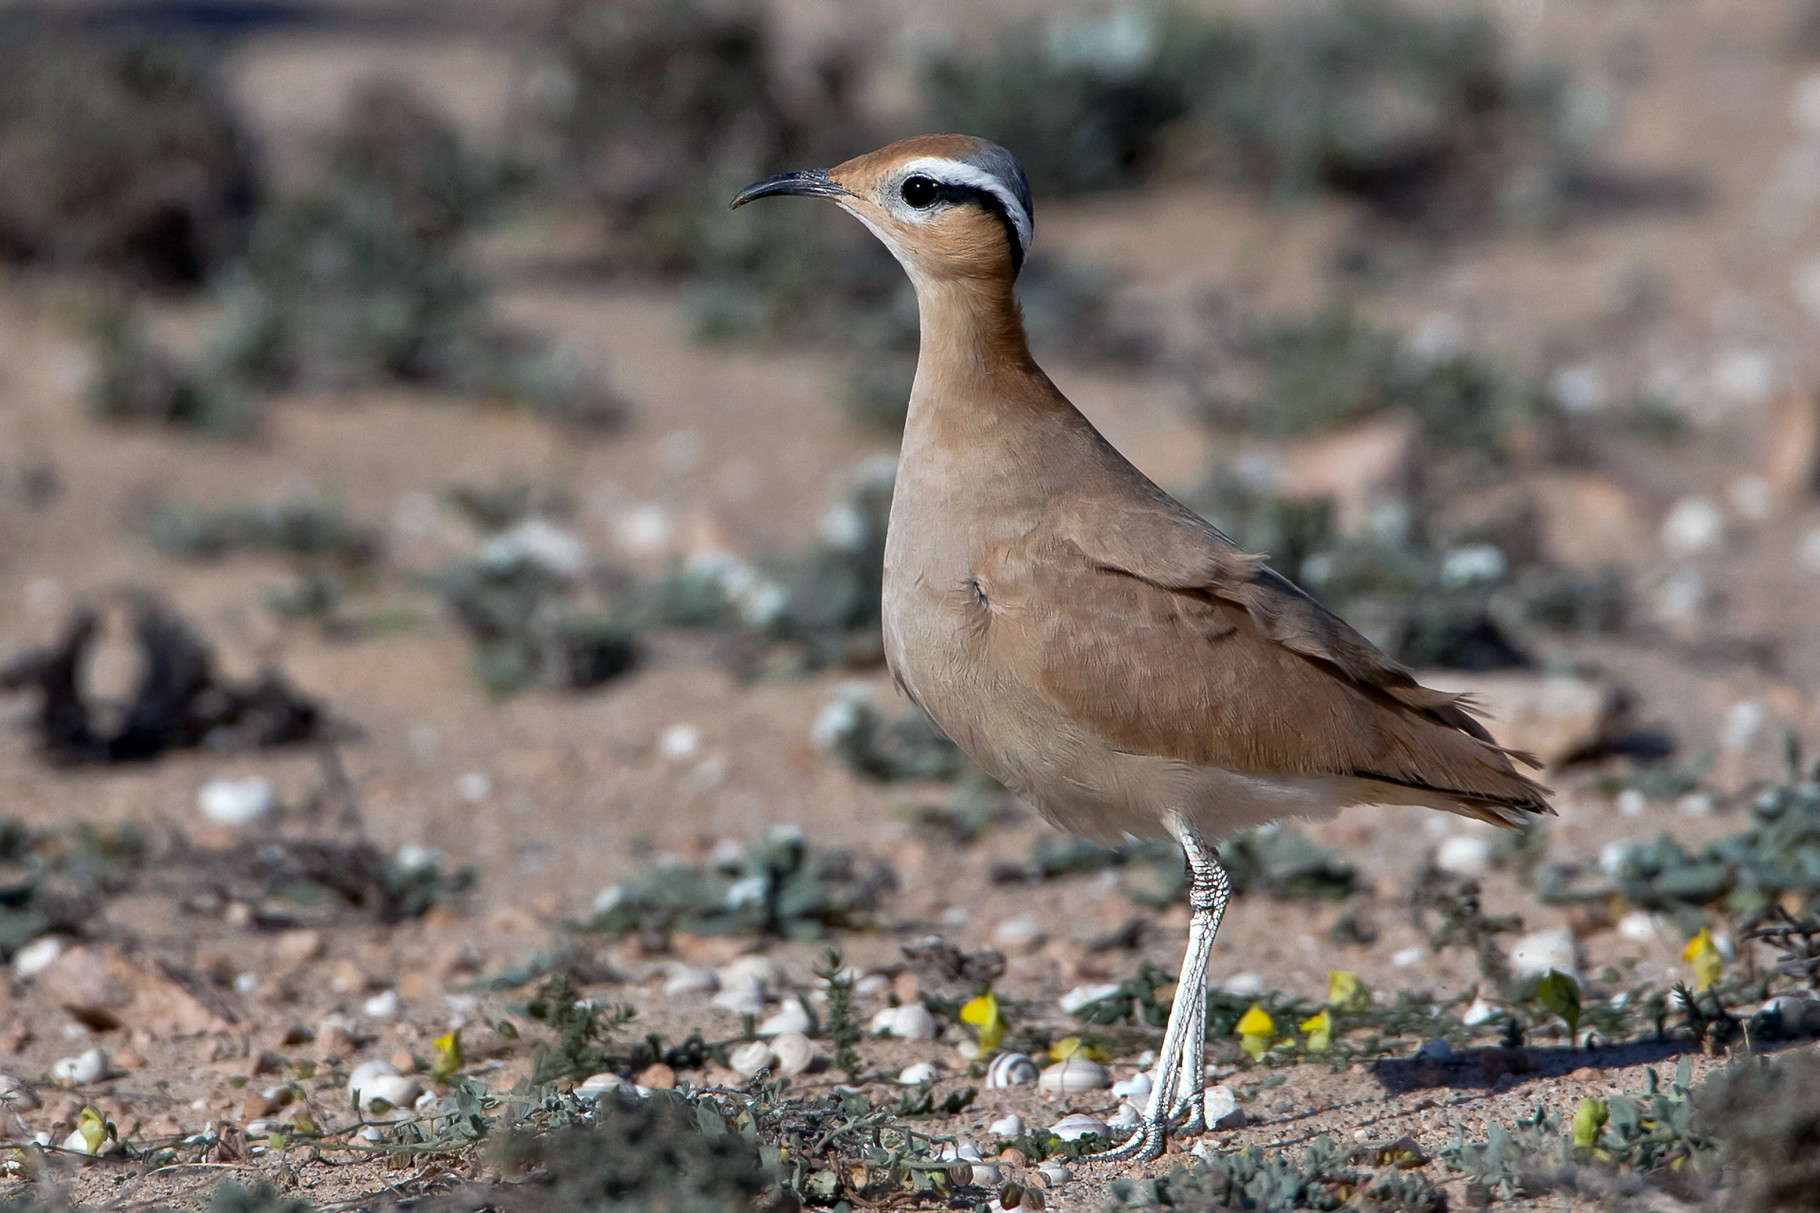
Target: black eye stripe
{"type": "Point", "coordinates": [956, 194]}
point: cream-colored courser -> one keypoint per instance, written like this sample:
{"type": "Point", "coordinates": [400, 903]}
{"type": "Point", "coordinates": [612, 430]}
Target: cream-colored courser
{"type": "Point", "coordinates": [1090, 642]}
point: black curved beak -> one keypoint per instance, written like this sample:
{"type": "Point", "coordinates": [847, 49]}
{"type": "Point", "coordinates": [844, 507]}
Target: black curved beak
{"type": "Point", "coordinates": [809, 183]}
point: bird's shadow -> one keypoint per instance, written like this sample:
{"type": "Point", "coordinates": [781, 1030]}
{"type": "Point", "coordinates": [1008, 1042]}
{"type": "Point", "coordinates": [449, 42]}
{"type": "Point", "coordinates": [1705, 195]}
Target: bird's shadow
{"type": "Point", "coordinates": [1485, 1068]}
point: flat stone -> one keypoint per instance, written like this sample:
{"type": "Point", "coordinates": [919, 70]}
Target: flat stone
{"type": "Point", "coordinates": [99, 984]}
{"type": "Point", "coordinates": [1553, 716]}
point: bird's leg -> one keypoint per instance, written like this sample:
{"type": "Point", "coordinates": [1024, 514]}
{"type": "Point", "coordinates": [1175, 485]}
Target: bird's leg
{"type": "Point", "coordinates": [1181, 1062]}
{"type": "Point", "coordinates": [1188, 1115]}
{"type": "Point", "coordinates": [1208, 892]}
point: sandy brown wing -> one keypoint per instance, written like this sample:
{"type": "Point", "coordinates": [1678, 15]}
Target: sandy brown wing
{"type": "Point", "coordinates": [1191, 675]}
{"type": "Point", "coordinates": [1147, 534]}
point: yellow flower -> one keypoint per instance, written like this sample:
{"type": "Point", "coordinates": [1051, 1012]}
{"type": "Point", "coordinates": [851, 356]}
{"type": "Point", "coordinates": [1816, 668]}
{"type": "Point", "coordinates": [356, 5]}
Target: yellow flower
{"type": "Point", "coordinates": [1707, 959]}
{"type": "Point", "coordinates": [445, 1056]}
{"type": "Point", "coordinates": [1346, 992]}
{"type": "Point", "coordinates": [1589, 1123]}
{"type": "Point", "coordinates": [1560, 993]}
{"type": "Point", "coordinates": [1256, 1030]}
{"type": "Point", "coordinates": [1319, 1030]}
{"type": "Point", "coordinates": [983, 1013]}
{"type": "Point", "coordinates": [1074, 1046]}
{"type": "Point", "coordinates": [94, 1128]}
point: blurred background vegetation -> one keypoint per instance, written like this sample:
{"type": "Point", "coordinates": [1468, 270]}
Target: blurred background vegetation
{"type": "Point", "coordinates": [371, 250]}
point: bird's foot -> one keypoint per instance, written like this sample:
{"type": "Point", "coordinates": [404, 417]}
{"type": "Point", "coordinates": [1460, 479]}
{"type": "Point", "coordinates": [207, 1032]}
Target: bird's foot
{"type": "Point", "coordinates": [1145, 1143]}
{"type": "Point", "coordinates": [1194, 1122]}
{"type": "Point", "coordinates": [1149, 1138]}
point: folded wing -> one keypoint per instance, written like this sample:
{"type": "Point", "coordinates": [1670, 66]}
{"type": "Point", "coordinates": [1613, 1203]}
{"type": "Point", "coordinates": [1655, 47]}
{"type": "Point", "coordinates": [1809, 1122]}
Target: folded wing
{"type": "Point", "coordinates": [1150, 627]}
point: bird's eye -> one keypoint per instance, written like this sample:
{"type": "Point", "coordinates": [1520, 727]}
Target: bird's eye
{"type": "Point", "coordinates": [919, 192]}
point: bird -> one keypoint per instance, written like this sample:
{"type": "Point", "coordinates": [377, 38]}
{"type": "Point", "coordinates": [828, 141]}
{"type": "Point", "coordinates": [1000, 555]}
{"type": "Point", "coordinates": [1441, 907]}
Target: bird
{"type": "Point", "coordinates": [1098, 647]}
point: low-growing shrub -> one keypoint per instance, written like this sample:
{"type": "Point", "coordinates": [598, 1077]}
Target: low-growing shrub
{"type": "Point", "coordinates": [1421, 115]}
{"type": "Point", "coordinates": [135, 380]}
{"type": "Point", "coordinates": [1776, 855]}
{"type": "Point", "coordinates": [306, 530]}
{"type": "Point", "coordinates": [1311, 373]}
{"type": "Point", "coordinates": [181, 700]}
{"type": "Point", "coordinates": [653, 1155]}
{"type": "Point", "coordinates": [117, 152]}
{"type": "Point", "coordinates": [778, 888]}
{"type": "Point", "coordinates": [362, 277]}
{"type": "Point", "coordinates": [531, 624]}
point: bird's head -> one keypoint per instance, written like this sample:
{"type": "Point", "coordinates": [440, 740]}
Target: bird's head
{"type": "Point", "coordinates": [947, 206]}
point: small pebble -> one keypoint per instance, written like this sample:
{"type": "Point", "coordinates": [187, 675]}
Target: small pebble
{"type": "Point", "coordinates": [1537, 953]}
{"type": "Point", "coordinates": [746, 968]}
{"type": "Point", "coordinates": [365, 1073]}
{"type": "Point", "coordinates": [679, 742]}
{"type": "Point", "coordinates": [595, 1085]}
{"type": "Point", "coordinates": [1019, 933]}
{"type": "Point", "coordinates": [18, 1094]}
{"type": "Point", "coordinates": [791, 1017]}
{"type": "Point", "coordinates": [1007, 1126]}
{"type": "Point", "coordinates": [1464, 855]}
{"type": "Point", "coordinates": [744, 994]}
{"type": "Point", "coordinates": [81, 1070]}
{"type": "Point", "coordinates": [909, 1022]}
{"type": "Point", "coordinates": [36, 956]}
{"type": "Point", "coordinates": [1639, 926]}
{"type": "Point", "coordinates": [916, 1075]}
{"type": "Point", "coordinates": [657, 1077]}
{"type": "Point", "coordinates": [684, 980]}
{"type": "Point", "coordinates": [962, 1151]}
{"type": "Point", "coordinates": [795, 1053]}
{"type": "Point", "coordinates": [1479, 1012]}
{"type": "Point", "coordinates": [1011, 1070]}
{"type": "Point", "coordinates": [1054, 1174]}
{"type": "Point", "coordinates": [1080, 996]}
{"type": "Point", "coordinates": [383, 1005]}
{"type": "Point", "coordinates": [398, 1090]}
{"type": "Point", "coordinates": [236, 802]}
{"type": "Point", "coordinates": [1127, 1117]}
{"type": "Point", "coordinates": [1075, 1074]}
{"type": "Point", "coordinates": [1135, 1087]}
{"type": "Point", "coordinates": [1220, 1108]}
{"type": "Point", "coordinates": [749, 1059]}
{"type": "Point", "coordinates": [1435, 1048]}
{"type": "Point", "coordinates": [1244, 983]}
{"type": "Point", "coordinates": [1409, 956]}
{"type": "Point", "coordinates": [1691, 527]}
{"type": "Point", "coordinates": [1071, 1128]}
{"type": "Point", "coordinates": [540, 543]}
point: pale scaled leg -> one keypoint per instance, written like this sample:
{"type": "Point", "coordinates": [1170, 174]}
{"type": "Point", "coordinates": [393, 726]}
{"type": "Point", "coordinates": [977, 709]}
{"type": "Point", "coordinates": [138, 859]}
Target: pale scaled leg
{"type": "Point", "coordinates": [1181, 1062]}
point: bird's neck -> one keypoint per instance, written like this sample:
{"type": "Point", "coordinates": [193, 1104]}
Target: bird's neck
{"type": "Point", "coordinates": [974, 353]}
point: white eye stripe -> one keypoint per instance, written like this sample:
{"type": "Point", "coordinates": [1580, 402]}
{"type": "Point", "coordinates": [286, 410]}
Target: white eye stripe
{"type": "Point", "coordinates": [956, 172]}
